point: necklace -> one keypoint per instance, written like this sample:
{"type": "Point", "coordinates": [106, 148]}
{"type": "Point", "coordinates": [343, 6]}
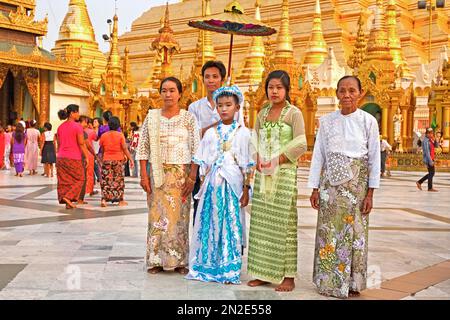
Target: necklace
{"type": "Point", "coordinates": [224, 144]}
{"type": "Point", "coordinates": [273, 126]}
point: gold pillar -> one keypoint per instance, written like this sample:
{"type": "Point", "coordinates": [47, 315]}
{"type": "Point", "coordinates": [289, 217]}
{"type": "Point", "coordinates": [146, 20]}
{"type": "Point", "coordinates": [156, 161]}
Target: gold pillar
{"type": "Point", "coordinates": [4, 100]}
{"type": "Point", "coordinates": [390, 130]}
{"type": "Point", "coordinates": [310, 117]}
{"type": "Point", "coordinates": [410, 128]}
{"type": "Point", "coordinates": [446, 122]}
{"type": "Point", "coordinates": [18, 97]}
{"type": "Point", "coordinates": [44, 103]}
{"type": "Point", "coordinates": [404, 128]}
{"type": "Point", "coordinates": [384, 121]}
{"type": "Point", "coordinates": [439, 111]}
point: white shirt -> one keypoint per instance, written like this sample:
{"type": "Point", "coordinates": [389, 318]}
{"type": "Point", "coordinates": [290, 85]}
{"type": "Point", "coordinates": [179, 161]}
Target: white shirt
{"type": "Point", "coordinates": [206, 115]}
{"type": "Point", "coordinates": [235, 162]}
{"type": "Point", "coordinates": [384, 145]}
{"type": "Point", "coordinates": [48, 135]}
{"type": "Point", "coordinates": [356, 135]}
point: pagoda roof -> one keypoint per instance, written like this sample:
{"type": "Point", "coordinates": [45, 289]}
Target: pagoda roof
{"type": "Point", "coordinates": [33, 56]}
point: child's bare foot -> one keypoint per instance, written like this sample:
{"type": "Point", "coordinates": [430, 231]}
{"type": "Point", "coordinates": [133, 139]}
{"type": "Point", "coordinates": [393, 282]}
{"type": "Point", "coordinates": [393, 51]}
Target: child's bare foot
{"type": "Point", "coordinates": [288, 284]}
{"type": "Point", "coordinates": [123, 203]}
{"type": "Point", "coordinates": [82, 202]}
{"type": "Point", "coordinates": [257, 283]}
{"type": "Point", "coordinates": [103, 203]}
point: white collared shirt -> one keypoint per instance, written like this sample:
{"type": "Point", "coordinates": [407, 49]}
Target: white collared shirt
{"type": "Point", "coordinates": [206, 115]}
{"type": "Point", "coordinates": [355, 135]}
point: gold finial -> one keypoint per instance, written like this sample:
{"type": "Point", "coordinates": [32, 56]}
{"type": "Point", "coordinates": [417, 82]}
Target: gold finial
{"type": "Point", "coordinates": [205, 49]}
{"type": "Point", "coordinates": [128, 78]}
{"type": "Point", "coordinates": [284, 47]}
{"type": "Point", "coordinates": [77, 24]}
{"type": "Point", "coordinates": [114, 58]}
{"type": "Point", "coordinates": [254, 62]}
{"type": "Point", "coordinates": [394, 41]}
{"type": "Point", "coordinates": [317, 49]}
{"type": "Point", "coordinates": [76, 41]}
{"type": "Point", "coordinates": [360, 48]}
{"type": "Point", "coordinates": [378, 44]}
{"type": "Point", "coordinates": [166, 45]}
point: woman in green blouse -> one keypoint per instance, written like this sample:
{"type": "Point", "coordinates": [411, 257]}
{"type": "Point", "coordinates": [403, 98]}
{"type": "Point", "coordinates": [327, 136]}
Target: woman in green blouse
{"type": "Point", "coordinates": [272, 255]}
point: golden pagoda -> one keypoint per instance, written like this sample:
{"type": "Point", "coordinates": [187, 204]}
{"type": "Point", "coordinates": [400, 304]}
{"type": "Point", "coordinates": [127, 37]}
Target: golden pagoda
{"type": "Point", "coordinates": [359, 52]}
{"type": "Point", "coordinates": [166, 46]}
{"type": "Point", "coordinates": [152, 81]}
{"type": "Point", "coordinates": [25, 68]}
{"type": "Point", "coordinates": [115, 91]}
{"type": "Point", "coordinates": [194, 88]}
{"type": "Point", "coordinates": [253, 68]}
{"type": "Point", "coordinates": [339, 20]}
{"type": "Point", "coordinates": [76, 42]}
{"type": "Point", "coordinates": [440, 103]}
{"type": "Point", "coordinates": [317, 49]}
{"type": "Point", "coordinates": [394, 41]}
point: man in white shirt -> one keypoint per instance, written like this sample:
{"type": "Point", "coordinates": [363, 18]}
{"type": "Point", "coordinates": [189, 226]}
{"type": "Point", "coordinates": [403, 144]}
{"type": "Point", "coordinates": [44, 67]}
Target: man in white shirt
{"type": "Point", "coordinates": [385, 148]}
{"type": "Point", "coordinates": [214, 74]}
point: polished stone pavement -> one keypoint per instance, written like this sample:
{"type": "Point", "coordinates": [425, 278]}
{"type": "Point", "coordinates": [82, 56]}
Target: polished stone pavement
{"type": "Point", "coordinates": [47, 252]}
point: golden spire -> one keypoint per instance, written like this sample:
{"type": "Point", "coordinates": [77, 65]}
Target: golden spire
{"type": "Point", "coordinates": [317, 49]}
{"type": "Point", "coordinates": [77, 24]}
{"type": "Point", "coordinates": [254, 62]}
{"type": "Point", "coordinates": [394, 41]}
{"type": "Point", "coordinates": [359, 51]}
{"type": "Point", "coordinates": [378, 45]}
{"type": "Point", "coordinates": [205, 48]}
{"type": "Point", "coordinates": [126, 70]}
{"type": "Point", "coordinates": [76, 41]}
{"type": "Point", "coordinates": [166, 45]}
{"type": "Point", "coordinates": [284, 47]}
{"type": "Point", "coordinates": [114, 58]}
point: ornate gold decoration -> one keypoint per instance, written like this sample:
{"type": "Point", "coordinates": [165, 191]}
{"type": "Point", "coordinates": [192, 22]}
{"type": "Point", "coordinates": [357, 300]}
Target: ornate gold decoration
{"type": "Point", "coordinates": [253, 68]}
{"type": "Point", "coordinates": [21, 21]}
{"type": "Point", "coordinates": [394, 41]}
{"type": "Point", "coordinates": [3, 73]}
{"type": "Point", "coordinates": [31, 77]}
{"type": "Point", "coordinates": [166, 46]}
{"type": "Point", "coordinates": [360, 48]}
{"type": "Point", "coordinates": [76, 43]}
{"type": "Point", "coordinates": [29, 4]}
{"type": "Point", "coordinates": [35, 59]}
{"type": "Point", "coordinates": [44, 105]}
{"type": "Point", "coordinates": [317, 49]}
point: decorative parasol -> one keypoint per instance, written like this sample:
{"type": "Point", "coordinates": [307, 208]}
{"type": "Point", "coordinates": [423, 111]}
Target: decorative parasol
{"type": "Point", "coordinates": [233, 21]}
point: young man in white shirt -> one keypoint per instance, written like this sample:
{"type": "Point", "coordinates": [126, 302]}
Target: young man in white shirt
{"type": "Point", "coordinates": [385, 149]}
{"type": "Point", "coordinates": [214, 74]}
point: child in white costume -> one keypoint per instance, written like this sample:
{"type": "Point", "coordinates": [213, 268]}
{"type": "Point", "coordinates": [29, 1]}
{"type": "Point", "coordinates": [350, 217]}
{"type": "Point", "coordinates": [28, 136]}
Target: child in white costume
{"type": "Point", "coordinates": [226, 165]}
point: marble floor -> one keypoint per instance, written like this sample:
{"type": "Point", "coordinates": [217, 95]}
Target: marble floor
{"type": "Point", "coordinates": [47, 252]}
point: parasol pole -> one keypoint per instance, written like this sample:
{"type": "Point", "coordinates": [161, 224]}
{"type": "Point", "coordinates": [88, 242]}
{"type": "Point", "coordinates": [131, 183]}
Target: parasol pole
{"type": "Point", "coordinates": [229, 60]}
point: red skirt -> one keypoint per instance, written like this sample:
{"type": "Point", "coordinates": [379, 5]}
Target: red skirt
{"type": "Point", "coordinates": [90, 175]}
{"type": "Point", "coordinates": [71, 178]}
